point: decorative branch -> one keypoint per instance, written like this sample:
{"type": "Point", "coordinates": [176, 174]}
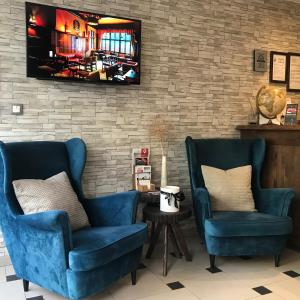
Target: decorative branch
{"type": "Point", "coordinates": [160, 130]}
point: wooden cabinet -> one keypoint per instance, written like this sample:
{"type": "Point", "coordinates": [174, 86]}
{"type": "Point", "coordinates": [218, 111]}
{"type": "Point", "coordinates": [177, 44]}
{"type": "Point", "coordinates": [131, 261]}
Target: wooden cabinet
{"type": "Point", "coordinates": [282, 164]}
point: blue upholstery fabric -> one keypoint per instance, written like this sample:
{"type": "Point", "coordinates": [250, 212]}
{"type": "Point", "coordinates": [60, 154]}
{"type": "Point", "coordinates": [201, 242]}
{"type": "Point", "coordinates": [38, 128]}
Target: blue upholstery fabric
{"type": "Point", "coordinates": [238, 233]}
{"type": "Point", "coordinates": [246, 245]}
{"type": "Point", "coordinates": [89, 283]}
{"type": "Point", "coordinates": [77, 157]}
{"type": "Point", "coordinates": [274, 201]}
{"type": "Point", "coordinates": [39, 254]}
{"type": "Point", "coordinates": [98, 246]}
{"type": "Point", "coordinates": [42, 246]}
{"type": "Point", "coordinates": [229, 224]}
{"type": "Point", "coordinates": [112, 210]}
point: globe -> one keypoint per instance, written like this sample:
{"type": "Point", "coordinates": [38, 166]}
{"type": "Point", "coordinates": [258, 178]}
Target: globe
{"type": "Point", "coordinates": [270, 101]}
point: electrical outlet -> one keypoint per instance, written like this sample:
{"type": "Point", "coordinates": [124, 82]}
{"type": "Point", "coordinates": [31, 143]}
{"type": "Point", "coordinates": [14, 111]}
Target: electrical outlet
{"type": "Point", "coordinates": [17, 109]}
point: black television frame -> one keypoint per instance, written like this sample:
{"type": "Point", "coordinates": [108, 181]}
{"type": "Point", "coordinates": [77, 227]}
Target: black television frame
{"type": "Point", "coordinates": [71, 80]}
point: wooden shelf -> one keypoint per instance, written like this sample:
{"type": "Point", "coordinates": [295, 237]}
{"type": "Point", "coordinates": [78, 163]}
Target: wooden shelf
{"type": "Point", "coordinates": [269, 127]}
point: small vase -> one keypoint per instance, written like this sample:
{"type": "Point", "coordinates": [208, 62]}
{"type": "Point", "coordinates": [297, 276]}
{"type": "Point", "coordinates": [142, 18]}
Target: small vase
{"type": "Point", "coordinates": [252, 118]}
{"type": "Point", "coordinates": [163, 180]}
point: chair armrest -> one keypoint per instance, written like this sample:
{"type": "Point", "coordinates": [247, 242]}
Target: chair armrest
{"type": "Point", "coordinates": [275, 201]}
{"type": "Point", "coordinates": [48, 220]}
{"type": "Point", "coordinates": [41, 238]}
{"type": "Point", "coordinates": [202, 204]}
{"type": "Point", "coordinates": [202, 207]}
{"type": "Point", "coordinates": [54, 220]}
{"type": "Point", "coordinates": [112, 210]}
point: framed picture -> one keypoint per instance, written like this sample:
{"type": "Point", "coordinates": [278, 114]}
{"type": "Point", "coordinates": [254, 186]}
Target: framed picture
{"type": "Point", "coordinates": [291, 114]}
{"type": "Point", "coordinates": [293, 73]}
{"type": "Point", "coordinates": [278, 67]}
{"type": "Point", "coordinates": [260, 60]}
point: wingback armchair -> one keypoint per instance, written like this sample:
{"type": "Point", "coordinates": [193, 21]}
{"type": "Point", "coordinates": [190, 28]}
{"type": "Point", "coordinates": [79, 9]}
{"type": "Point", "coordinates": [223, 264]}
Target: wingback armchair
{"type": "Point", "coordinates": [235, 233]}
{"type": "Point", "coordinates": [42, 247]}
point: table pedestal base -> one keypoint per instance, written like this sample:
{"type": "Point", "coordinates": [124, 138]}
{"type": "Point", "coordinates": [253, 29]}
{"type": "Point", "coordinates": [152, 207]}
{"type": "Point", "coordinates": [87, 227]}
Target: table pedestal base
{"type": "Point", "coordinates": [177, 239]}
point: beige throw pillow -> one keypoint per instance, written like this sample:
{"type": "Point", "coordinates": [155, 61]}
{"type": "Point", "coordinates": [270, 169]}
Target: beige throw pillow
{"type": "Point", "coordinates": [230, 190]}
{"type": "Point", "coordinates": [54, 193]}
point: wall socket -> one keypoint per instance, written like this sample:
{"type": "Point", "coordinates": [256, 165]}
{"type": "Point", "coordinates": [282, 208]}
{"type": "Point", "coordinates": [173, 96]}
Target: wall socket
{"type": "Point", "coordinates": [17, 109]}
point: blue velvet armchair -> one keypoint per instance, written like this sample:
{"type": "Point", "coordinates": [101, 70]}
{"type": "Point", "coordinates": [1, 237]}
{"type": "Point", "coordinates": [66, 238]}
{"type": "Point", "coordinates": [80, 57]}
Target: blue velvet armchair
{"type": "Point", "coordinates": [42, 247]}
{"type": "Point", "coordinates": [224, 233]}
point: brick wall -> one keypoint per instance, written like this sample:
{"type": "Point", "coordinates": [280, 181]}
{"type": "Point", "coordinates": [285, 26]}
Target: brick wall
{"type": "Point", "coordinates": [196, 71]}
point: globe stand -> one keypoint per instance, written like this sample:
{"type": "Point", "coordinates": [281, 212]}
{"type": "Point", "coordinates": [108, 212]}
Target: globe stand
{"type": "Point", "coordinates": [270, 122]}
{"type": "Point", "coordinates": [262, 120]}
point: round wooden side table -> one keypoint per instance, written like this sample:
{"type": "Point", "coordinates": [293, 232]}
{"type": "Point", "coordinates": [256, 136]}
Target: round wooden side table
{"type": "Point", "coordinates": [150, 198]}
{"type": "Point", "coordinates": [169, 223]}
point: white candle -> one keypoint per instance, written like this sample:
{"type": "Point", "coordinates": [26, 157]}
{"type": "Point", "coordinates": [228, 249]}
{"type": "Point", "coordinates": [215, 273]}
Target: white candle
{"type": "Point", "coordinates": [163, 181]}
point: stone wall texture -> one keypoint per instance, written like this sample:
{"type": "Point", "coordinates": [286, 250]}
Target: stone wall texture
{"type": "Point", "coordinates": [196, 72]}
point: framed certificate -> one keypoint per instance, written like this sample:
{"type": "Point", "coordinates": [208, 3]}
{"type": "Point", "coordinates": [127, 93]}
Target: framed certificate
{"type": "Point", "coordinates": [278, 67]}
{"type": "Point", "coordinates": [293, 74]}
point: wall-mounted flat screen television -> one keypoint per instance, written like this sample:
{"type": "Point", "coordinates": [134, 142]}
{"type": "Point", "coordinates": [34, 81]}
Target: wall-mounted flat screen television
{"type": "Point", "coordinates": [82, 46]}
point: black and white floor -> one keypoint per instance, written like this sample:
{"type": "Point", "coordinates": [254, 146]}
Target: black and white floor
{"type": "Point", "coordinates": [239, 279]}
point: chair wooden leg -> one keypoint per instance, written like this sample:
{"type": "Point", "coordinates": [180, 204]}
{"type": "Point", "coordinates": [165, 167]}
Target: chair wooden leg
{"type": "Point", "coordinates": [133, 278]}
{"type": "Point", "coordinates": [25, 285]}
{"type": "Point", "coordinates": [277, 260]}
{"type": "Point", "coordinates": [212, 260]}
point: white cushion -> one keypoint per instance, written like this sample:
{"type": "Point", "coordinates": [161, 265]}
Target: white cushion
{"type": "Point", "coordinates": [229, 190]}
{"type": "Point", "coordinates": [54, 193]}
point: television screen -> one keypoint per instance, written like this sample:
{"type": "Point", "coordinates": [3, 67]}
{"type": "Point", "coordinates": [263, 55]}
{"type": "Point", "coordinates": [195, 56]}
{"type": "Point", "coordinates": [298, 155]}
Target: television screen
{"type": "Point", "coordinates": [81, 46]}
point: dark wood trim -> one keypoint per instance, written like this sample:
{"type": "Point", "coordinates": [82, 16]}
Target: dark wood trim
{"type": "Point", "coordinates": [273, 134]}
{"type": "Point", "coordinates": [269, 127]}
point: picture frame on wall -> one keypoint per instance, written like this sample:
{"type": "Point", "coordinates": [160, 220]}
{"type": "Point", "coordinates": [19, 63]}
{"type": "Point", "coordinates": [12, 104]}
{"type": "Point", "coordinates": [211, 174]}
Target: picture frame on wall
{"type": "Point", "coordinates": [278, 67]}
{"type": "Point", "coordinates": [293, 73]}
{"type": "Point", "coordinates": [260, 60]}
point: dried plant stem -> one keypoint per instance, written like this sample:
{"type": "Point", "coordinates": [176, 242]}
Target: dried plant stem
{"type": "Point", "coordinates": [160, 131]}
{"type": "Point", "coordinates": [161, 146]}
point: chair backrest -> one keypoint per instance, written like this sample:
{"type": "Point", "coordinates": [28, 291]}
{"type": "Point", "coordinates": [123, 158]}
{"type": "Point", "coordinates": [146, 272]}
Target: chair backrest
{"type": "Point", "coordinates": [38, 160]}
{"type": "Point", "coordinates": [224, 154]}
